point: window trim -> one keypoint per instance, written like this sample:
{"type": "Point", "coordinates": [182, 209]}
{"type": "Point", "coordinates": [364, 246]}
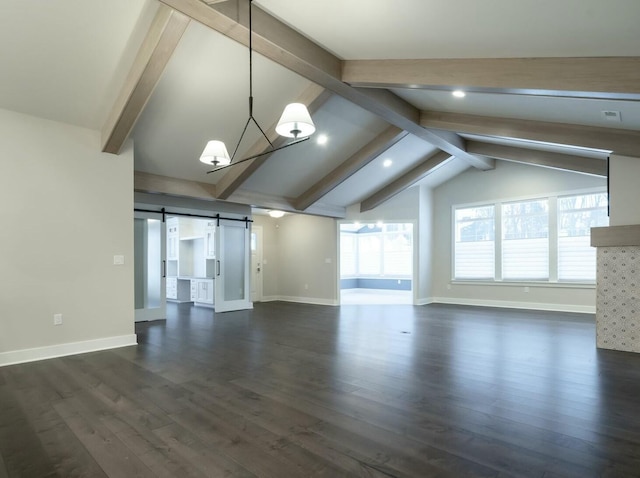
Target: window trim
{"type": "Point", "coordinates": [553, 280]}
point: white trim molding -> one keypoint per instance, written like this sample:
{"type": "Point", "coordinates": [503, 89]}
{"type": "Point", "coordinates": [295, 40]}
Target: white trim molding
{"type": "Point", "coordinates": [507, 304]}
{"type": "Point", "coordinates": [61, 350]}
{"type": "Point", "coordinates": [300, 300]}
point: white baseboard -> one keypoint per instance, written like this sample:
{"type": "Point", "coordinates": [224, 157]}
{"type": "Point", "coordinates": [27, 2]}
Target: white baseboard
{"type": "Point", "coordinates": [300, 300]}
{"type": "Point", "coordinates": [581, 309]}
{"type": "Point", "coordinates": [61, 350]}
{"type": "Point", "coordinates": [425, 301]}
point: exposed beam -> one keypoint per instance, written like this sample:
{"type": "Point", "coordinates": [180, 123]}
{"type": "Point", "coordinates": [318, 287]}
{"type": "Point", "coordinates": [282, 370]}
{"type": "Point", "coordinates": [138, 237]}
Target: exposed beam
{"type": "Point", "coordinates": [154, 183]}
{"type": "Point", "coordinates": [267, 201]}
{"type": "Point", "coordinates": [567, 162]}
{"type": "Point", "coordinates": [349, 167]}
{"type": "Point", "coordinates": [620, 141]}
{"type": "Point", "coordinates": [603, 74]}
{"type": "Point", "coordinates": [285, 46]}
{"type": "Point", "coordinates": [154, 53]}
{"type": "Point", "coordinates": [314, 97]}
{"type": "Point", "coordinates": [416, 174]}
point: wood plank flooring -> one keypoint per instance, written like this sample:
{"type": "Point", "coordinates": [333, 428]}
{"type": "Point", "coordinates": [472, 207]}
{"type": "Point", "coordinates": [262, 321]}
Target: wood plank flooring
{"type": "Point", "coordinates": [290, 390]}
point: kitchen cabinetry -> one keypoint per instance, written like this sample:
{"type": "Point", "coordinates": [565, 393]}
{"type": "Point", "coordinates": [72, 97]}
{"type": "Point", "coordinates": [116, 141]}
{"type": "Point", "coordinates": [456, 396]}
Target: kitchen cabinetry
{"type": "Point", "coordinates": [190, 260]}
{"type": "Point", "coordinates": [209, 241]}
{"type": "Point", "coordinates": [204, 292]}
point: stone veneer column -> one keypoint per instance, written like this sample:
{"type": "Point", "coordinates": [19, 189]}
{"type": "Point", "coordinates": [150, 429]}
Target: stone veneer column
{"type": "Point", "coordinates": [618, 287]}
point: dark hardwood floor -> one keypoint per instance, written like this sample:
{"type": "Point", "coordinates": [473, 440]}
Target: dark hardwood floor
{"type": "Point", "coordinates": [290, 390]}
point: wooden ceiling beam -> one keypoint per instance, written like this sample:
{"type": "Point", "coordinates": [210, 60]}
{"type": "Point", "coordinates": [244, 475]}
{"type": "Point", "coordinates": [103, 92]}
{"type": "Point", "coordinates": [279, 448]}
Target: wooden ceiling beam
{"type": "Point", "coordinates": [566, 162]}
{"type": "Point", "coordinates": [314, 97]}
{"type": "Point", "coordinates": [285, 46]}
{"type": "Point", "coordinates": [620, 141]}
{"type": "Point", "coordinates": [349, 167]}
{"type": "Point", "coordinates": [154, 53]}
{"type": "Point", "coordinates": [427, 166]}
{"type": "Point", "coordinates": [615, 75]}
{"type": "Point", "coordinates": [154, 183]}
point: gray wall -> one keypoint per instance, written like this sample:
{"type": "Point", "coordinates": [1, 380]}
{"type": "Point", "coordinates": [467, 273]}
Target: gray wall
{"type": "Point", "coordinates": [66, 211]}
{"type": "Point", "coordinates": [624, 201]}
{"type": "Point", "coordinates": [507, 181]}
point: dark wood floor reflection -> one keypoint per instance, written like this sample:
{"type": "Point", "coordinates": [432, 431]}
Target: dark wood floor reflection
{"type": "Point", "coordinates": [290, 390]}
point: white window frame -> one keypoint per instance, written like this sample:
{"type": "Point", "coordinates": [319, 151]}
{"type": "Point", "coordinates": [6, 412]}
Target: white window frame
{"type": "Point", "coordinates": [553, 240]}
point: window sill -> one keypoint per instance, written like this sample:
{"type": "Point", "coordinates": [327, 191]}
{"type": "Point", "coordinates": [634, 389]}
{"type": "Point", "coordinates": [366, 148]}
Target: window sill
{"type": "Point", "coordinates": [553, 285]}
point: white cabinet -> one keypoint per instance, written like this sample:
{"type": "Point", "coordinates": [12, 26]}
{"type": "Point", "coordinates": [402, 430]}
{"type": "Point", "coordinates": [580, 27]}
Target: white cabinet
{"type": "Point", "coordinates": [209, 241]}
{"type": "Point", "coordinates": [172, 288]}
{"type": "Point", "coordinates": [204, 292]}
{"type": "Point", "coordinates": [172, 239]}
{"type": "Point", "coordinates": [194, 290]}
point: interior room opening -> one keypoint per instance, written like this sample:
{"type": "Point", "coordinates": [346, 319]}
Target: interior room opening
{"type": "Point", "coordinates": [376, 263]}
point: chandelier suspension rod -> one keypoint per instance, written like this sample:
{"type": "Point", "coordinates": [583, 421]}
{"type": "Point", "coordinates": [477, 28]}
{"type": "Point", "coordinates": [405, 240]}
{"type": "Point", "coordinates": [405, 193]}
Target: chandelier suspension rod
{"type": "Point", "coordinates": [251, 118]}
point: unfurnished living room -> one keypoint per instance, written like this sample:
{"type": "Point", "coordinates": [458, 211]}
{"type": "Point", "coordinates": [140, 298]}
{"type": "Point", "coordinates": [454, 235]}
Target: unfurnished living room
{"type": "Point", "coordinates": [276, 238]}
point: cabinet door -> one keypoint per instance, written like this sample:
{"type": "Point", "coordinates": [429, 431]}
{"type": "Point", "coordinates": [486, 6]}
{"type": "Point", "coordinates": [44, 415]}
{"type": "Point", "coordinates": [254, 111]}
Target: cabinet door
{"type": "Point", "coordinates": [194, 289]}
{"type": "Point", "coordinates": [205, 291]}
{"type": "Point", "coordinates": [172, 288]}
{"type": "Point", "coordinates": [172, 246]}
{"type": "Point", "coordinates": [209, 241]}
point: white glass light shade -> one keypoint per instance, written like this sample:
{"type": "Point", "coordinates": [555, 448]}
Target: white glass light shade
{"type": "Point", "coordinates": [276, 214]}
{"type": "Point", "coordinates": [295, 122]}
{"type": "Point", "coordinates": [215, 153]}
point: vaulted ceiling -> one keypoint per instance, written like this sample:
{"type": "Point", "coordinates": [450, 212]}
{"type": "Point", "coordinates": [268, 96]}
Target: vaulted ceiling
{"type": "Point", "coordinates": [550, 84]}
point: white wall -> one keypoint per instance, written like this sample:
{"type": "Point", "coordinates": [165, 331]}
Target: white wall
{"type": "Point", "coordinates": [624, 173]}
{"type": "Point", "coordinates": [506, 181]}
{"type": "Point", "coordinates": [66, 211]}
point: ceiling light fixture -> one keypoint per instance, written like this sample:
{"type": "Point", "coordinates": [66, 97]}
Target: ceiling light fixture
{"type": "Point", "coordinates": [459, 94]}
{"type": "Point", "coordinates": [276, 214]}
{"type": "Point", "coordinates": [322, 139]}
{"type": "Point", "coordinates": [386, 163]}
{"type": "Point", "coordinates": [295, 123]}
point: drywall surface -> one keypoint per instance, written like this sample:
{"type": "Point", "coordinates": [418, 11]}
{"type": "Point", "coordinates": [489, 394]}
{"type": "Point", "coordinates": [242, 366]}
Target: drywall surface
{"type": "Point", "coordinates": [624, 198]}
{"type": "Point", "coordinates": [307, 259]}
{"type": "Point", "coordinates": [67, 210]}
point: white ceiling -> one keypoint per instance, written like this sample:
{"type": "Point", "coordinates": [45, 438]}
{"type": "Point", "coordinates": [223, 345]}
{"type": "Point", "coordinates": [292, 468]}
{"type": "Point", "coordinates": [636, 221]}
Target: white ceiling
{"type": "Point", "coordinates": [68, 59]}
{"type": "Point", "coordinates": [362, 29]}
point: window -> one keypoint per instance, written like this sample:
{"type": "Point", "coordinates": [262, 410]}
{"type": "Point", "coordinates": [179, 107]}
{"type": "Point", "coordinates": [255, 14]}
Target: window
{"type": "Point", "coordinates": [540, 239]}
{"type": "Point", "coordinates": [525, 240]}
{"type": "Point", "coordinates": [376, 251]}
{"type": "Point", "coordinates": [348, 254]}
{"type": "Point", "coordinates": [576, 216]}
{"type": "Point", "coordinates": [474, 243]}
{"type": "Point", "coordinates": [398, 250]}
{"type": "Point", "coordinates": [369, 254]}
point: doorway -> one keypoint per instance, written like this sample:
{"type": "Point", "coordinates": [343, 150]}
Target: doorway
{"type": "Point", "coordinates": [376, 263]}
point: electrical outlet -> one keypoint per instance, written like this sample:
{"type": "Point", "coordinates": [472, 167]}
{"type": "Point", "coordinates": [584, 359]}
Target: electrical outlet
{"type": "Point", "coordinates": [526, 288]}
{"type": "Point", "coordinates": [306, 287]}
{"type": "Point", "coordinates": [118, 260]}
{"type": "Point", "coordinates": [57, 319]}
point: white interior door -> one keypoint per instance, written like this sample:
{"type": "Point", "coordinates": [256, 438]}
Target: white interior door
{"type": "Point", "coordinates": [256, 263]}
{"type": "Point", "coordinates": [232, 267]}
{"type": "Point", "coordinates": [149, 268]}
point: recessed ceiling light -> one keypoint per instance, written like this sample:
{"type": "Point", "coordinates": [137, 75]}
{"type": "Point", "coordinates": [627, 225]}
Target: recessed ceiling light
{"type": "Point", "coordinates": [459, 94]}
{"type": "Point", "coordinates": [387, 163]}
{"type": "Point", "coordinates": [322, 139]}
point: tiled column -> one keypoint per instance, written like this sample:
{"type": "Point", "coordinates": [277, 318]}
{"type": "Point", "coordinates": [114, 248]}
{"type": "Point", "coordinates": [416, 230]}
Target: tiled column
{"type": "Point", "coordinates": [618, 287]}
